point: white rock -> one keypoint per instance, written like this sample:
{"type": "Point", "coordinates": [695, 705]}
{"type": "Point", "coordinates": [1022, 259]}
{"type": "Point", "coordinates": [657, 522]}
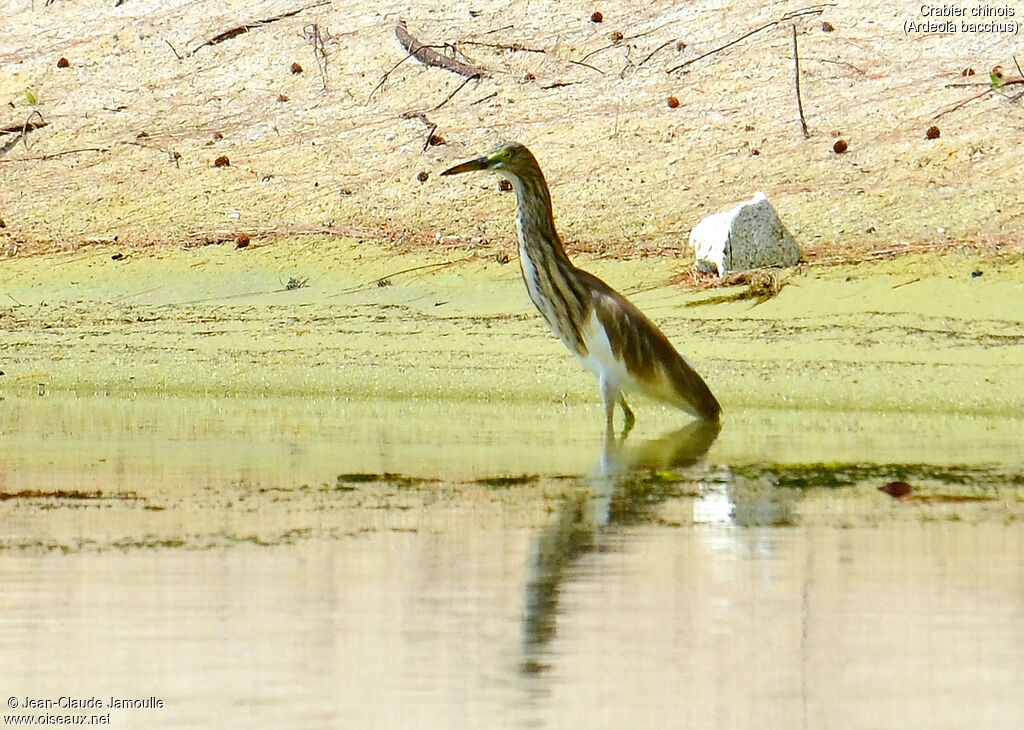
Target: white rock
{"type": "Point", "coordinates": [747, 237]}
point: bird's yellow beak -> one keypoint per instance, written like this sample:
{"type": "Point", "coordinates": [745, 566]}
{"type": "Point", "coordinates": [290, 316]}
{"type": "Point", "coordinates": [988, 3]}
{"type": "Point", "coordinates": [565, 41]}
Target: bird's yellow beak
{"type": "Point", "coordinates": [480, 163]}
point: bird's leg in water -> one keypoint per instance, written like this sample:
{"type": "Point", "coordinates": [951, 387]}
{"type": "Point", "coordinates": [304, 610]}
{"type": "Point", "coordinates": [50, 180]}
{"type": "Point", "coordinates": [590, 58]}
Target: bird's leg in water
{"type": "Point", "coordinates": [609, 396]}
{"type": "Point", "coordinates": [627, 414]}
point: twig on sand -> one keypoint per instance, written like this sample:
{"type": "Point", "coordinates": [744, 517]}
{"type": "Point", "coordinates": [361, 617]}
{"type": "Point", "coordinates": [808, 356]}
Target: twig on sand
{"type": "Point", "coordinates": [54, 155]}
{"type": "Point", "coordinates": [173, 49]}
{"type": "Point", "coordinates": [649, 55]}
{"type": "Point", "coordinates": [796, 82]}
{"type": "Point", "coordinates": [594, 52]}
{"type": "Point", "coordinates": [431, 127]}
{"type": "Point", "coordinates": [386, 279]}
{"type": "Point", "coordinates": [426, 54]}
{"type": "Point", "coordinates": [586, 65]}
{"type": "Point", "coordinates": [386, 75]}
{"type": "Point", "coordinates": [906, 283]}
{"type": "Point", "coordinates": [840, 63]}
{"type": "Point", "coordinates": [989, 89]}
{"type": "Point", "coordinates": [312, 33]}
{"type": "Point", "coordinates": [813, 10]}
{"type": "Point", "coordinates": [20, 131]}
{"type": "Point", "coordinates": [246, 27]}
{"type": "Point", "coordinates": [456, 91]}
{"type": "Point", "coordinates": [620, 40]}
{"type": "Point", "coordinates": [962, 103]}
{"type": "Point", "coordinates": [504, 46]}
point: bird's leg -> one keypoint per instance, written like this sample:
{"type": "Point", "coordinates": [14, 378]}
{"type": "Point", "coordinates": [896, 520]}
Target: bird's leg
{"type": "Point", "coordinates": [609, 395]}
{"type": "Point", "coordinates": [627, 414]}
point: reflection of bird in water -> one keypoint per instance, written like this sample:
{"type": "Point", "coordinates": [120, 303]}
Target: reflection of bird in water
{"type": "Point", "coordinates": [622, 496]}
{"type": "Point", "coordinates": [611, 337]}
{"type": "Point", "coordinates": [674, 450]}
{"type": "Point", "coordinates": [570, 535]}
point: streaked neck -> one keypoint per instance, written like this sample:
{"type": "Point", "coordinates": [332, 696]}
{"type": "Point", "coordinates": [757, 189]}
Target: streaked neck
{"type": "Point", "coordinates": [551, 279]}
{"type": "Point", "coordinates": [534, 215]}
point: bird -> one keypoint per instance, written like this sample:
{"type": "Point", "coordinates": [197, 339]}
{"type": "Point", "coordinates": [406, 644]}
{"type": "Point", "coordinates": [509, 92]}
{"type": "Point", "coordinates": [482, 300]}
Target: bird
{"type": "Point", "coordinates": [608, 334]}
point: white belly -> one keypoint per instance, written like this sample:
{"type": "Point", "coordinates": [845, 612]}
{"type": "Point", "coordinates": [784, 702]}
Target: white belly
{"type": "Point", "coordinates": [600, 360]}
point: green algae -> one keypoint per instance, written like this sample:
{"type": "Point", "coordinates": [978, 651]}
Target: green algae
{"type": "Point", "coordinates": [918, 335]}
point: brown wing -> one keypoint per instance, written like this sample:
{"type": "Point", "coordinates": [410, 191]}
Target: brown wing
{"type": "Point", "coordinates": [656, 365]}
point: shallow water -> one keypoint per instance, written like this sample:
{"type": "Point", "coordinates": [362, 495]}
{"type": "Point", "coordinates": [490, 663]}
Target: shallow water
{"type": "Point", "coordinates": [333, 564]}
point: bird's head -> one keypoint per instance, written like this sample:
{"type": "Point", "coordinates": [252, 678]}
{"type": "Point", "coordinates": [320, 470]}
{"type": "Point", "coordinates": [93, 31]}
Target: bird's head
{"type": "Point", "coordinates": [511, 161]}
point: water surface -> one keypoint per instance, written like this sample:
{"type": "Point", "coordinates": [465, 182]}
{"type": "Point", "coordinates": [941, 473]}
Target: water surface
{"type": "Point", "coordinates": [334, 564]}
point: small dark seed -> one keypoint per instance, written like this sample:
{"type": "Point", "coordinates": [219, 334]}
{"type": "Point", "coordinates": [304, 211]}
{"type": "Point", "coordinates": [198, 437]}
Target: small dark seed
{"type": "Point", "coordinates": [242, 241]}
{"type": "Point", "coordinates": [615, 36]}
{"type": "Point", "coordinates": [2, 224]}
{"type": "Point", "coordinates": [423, 176]}
{"type": "Point", "coordinates": [117, 257]}
{"type": "Point", "coordinates": [896, 489]}
{"type": "Point", "coordinates": [755, 152]}
{"type": "Point", "coordinates": [435, 140]}
{"type": "Point", "coordinates": [840, 146]}
{"type": "Point", "coordinates": [63, 62]}
{"type": "Point", "coordinates": [222, 161]}
{"type": "Point", "coordinates": [296, 68]}
{"type": "Point", "coordinates": [673, 102]}
{"type": "Point", "coordinates": [967, 72]}
{"type": "Point", "coordinates": [596, 17]}
{"type": "Point", "coordinates": [976, 273]}
{"type": "Point", "coordinates": [827, 27]}
{"type": "Point", "coordinates": [504, 185]}
{"type": "Point", "coordinates": [932, 133]}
